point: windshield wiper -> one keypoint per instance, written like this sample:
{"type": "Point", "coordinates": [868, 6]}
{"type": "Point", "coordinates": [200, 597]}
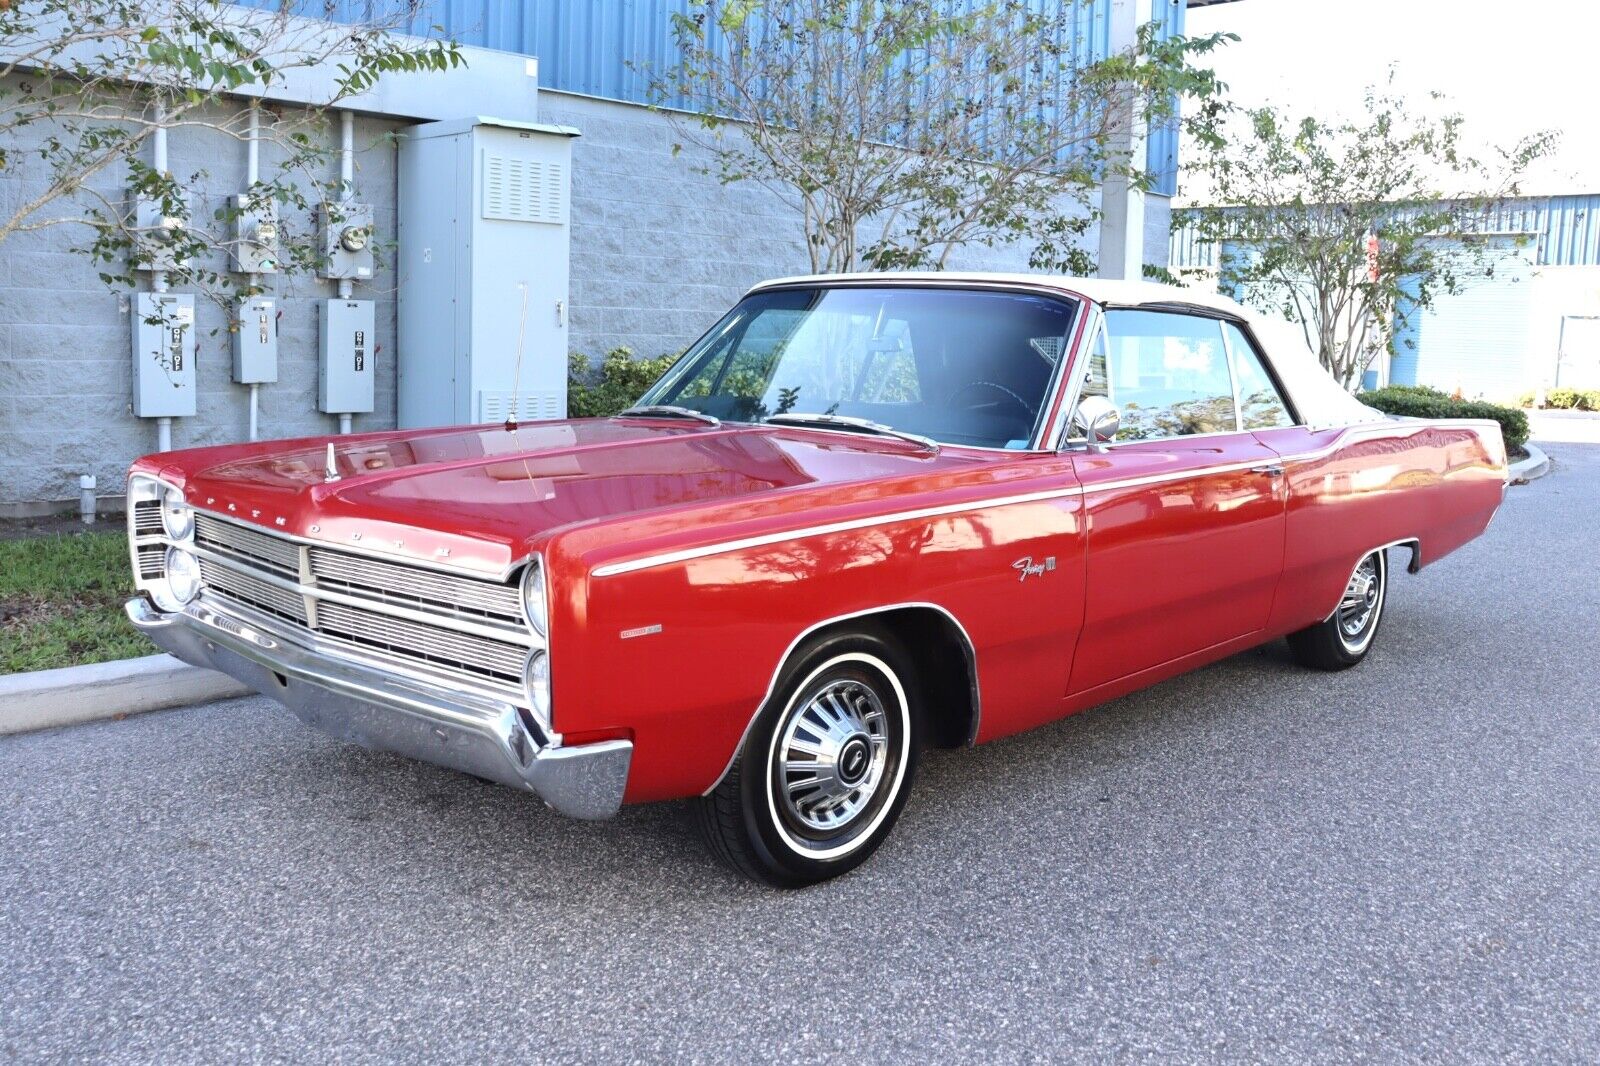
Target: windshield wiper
{"type": "Point", "coordinates": [846, 422]}
{"type": "Point", "coordinates": [667, 410]}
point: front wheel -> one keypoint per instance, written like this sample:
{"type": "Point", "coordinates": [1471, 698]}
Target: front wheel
{"type": "Point", "coordinates": [1343, 638]}
{"type": "Point", "coordinates": [825, 770]}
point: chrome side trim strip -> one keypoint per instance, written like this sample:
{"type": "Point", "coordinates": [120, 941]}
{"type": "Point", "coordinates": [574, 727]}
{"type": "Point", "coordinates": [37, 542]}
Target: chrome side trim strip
{"type": "Point", "coordinates": [686, 554]}
{"type": "Point", "coordinates": [723, 547]}
{"type": "Point", "coordinates": [783, 660]}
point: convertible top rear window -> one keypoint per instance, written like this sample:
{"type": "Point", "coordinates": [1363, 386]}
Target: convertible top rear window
{"type": "Point", "coordinates": [962, 367]}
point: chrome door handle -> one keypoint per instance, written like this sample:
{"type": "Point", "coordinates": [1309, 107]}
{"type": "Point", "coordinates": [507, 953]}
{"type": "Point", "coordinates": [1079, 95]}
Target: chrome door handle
{"type": "Point", "coordinates": [1271, 470]}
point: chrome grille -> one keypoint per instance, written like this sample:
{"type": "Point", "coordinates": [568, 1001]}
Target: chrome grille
{"type": "Point", "coordinates": [257, 593]}
{"type": "Point", "coordinates": [417, 589]}
{"type": "Point", "coordinates": [147, 518]}
{"type": "Point", "coordinates": [152, 560]}
{"type": "Point", "coordinates": [247, 545]}
{"type": "Point", "coordinates": [356, 602]}
{"type": "Point", "coordinates": [422, 642]}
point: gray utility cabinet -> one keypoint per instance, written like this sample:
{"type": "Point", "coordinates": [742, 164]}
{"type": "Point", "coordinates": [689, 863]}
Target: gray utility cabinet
{"type": "Point", "coordinates": [484, 236]}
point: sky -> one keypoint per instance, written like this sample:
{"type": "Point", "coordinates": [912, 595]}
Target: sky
{"type": "Point", "coordinates": [1508, 68]}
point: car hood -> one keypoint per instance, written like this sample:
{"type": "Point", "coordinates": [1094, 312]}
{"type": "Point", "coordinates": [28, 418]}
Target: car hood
{"type": "Point", "coordinates": [481, 497]}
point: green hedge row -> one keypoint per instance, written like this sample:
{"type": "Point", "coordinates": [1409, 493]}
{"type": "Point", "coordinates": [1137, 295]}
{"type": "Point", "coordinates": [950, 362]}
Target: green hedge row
{"type": "Point", "coordinates": [1566, 399]}
{"type": "Point", "coordinates": [1418, 401]}
{"type": "Point", "coordinates": [617, 383]}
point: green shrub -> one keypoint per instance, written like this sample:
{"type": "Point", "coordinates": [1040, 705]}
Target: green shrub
{"type": "Point", "coordinates": [1568, 399]}
{"type": "Point", "coordinates": [1419, 402]}
{"type": "Point", "coordinates": [616, 384]}
{"type": "Point", "coordinates": [1573, 399]}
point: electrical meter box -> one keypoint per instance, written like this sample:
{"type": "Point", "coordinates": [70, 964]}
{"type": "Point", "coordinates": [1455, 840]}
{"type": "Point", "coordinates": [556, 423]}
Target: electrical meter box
{"type": "Point", "coordinates": [255, 341]}
{"type": "Point", "coordinates": [255, 235]}
{"type": "Point", "coordinates": [158, 230]}
{"type": "Point", "coordinates": [483, 271]}
{"type": "Point", "coordinates": [163, 355]}
{"type": "Point", "coordinates": [347, 241]}
{"type": "Point", "coordinates": [346, 336]}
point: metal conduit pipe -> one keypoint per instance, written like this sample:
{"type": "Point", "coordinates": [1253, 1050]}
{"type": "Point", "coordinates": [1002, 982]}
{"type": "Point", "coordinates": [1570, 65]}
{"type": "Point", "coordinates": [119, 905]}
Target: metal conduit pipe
{"type": "Point", "coordinates": [158, 279]}
{"type": "Point", "coordinates": [347, 188]}
{"type": "Point", "coordinates": [252, 174]}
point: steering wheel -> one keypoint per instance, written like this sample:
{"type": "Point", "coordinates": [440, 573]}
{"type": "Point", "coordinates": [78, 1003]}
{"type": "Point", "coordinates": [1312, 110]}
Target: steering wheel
{"type": "Point", "coordinates": [1027, 410]}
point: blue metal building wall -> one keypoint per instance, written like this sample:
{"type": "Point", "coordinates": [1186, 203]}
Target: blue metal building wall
{"type": "Point", "coordinates": [1161, 147]}
{"type": "Point", "coordinates": [1566, 229]}
{"type": "Point", "coordinates": [613, 48]}
{"type": "Point", "coordinates": [1406, 361]}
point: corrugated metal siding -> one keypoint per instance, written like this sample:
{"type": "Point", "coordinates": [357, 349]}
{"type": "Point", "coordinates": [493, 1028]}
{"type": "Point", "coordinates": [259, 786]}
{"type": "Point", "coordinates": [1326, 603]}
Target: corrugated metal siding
{"type": "Point", "coordinates": [614, 48]}
{"type": "Point", "coordinates": [1570, 235]}
{"type": "Point", "coordinates": [1567, 230]}
{"type": "Point", "coordinates": [1187, 250]}
{"type": "Point", "coordinates": [1473, 341]}
{"type": "Point", "coordinates": [1406, 361]}
{"type": "Point", "coordinates": [1161, 146]}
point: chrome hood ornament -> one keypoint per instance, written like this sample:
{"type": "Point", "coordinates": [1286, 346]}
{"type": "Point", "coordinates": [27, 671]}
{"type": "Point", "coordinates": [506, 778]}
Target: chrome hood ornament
{"type": "Point", "coordinates": [330, 469]}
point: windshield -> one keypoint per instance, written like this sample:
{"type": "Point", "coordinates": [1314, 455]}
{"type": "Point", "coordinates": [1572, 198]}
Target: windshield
{"type": "Point", "coordinates": [960, 367]}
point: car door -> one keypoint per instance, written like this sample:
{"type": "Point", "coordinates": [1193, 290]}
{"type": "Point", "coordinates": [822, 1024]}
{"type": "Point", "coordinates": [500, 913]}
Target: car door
{"type": "Point", "coordinates": [1184, 508]}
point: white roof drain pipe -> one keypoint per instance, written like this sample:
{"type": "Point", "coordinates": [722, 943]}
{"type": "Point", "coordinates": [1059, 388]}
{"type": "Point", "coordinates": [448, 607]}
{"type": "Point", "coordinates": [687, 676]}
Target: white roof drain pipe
{"type": "Point", "coordinates": [158, 279]}
{"type": "Point", "coordinates": [252, 175]}
{"type": "Point", "coordinates": [347, 181]}
{"type": "Point", "coordinates": [347, 178]}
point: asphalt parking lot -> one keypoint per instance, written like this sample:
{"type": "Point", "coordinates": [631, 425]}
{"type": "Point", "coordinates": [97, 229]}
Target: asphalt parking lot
{"type": "Point", "coordinates": [1254, 862]}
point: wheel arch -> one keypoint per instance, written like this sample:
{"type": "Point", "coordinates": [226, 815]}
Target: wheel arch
{"type": "Point", "coordinates": [940, 649]}
{"type": "Point", "coordinates": [1412, 567]}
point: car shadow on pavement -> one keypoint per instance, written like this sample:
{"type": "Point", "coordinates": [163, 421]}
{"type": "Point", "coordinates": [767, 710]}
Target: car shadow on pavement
{"type": "Point", "coordinates": [477, 836]}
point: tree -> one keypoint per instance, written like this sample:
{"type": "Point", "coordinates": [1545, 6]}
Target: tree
{"type": "Point", "coordinates": [1349, 226]}
{"type": "Point", "coordinates": [902, 130]}
{"type": "Point", "coordinates": [90, 82]}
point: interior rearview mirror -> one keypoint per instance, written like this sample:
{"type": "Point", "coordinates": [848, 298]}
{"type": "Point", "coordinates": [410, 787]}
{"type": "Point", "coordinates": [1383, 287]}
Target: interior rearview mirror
{"type": "Point", "coordinates": [1098, 419]}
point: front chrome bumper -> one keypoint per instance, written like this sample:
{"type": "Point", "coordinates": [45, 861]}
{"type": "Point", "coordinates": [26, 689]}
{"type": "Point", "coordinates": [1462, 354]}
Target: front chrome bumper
{"type": "Point", "coordinates": [379, 710]}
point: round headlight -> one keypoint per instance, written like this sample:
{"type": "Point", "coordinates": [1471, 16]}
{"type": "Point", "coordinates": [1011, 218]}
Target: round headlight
{"type": "Point", "coordinates": [533, 598]}
{"type": "Point", "coordinates": [183, 575]}
{"type": "Point", "coordinates": [536, 675]}
{"type": "Point", "coordinates": [176, 517]}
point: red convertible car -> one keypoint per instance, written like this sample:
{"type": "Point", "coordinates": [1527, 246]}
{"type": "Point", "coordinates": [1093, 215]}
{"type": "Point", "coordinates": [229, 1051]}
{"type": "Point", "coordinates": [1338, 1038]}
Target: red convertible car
{"type": "Point", "coordinates": [863, 515]}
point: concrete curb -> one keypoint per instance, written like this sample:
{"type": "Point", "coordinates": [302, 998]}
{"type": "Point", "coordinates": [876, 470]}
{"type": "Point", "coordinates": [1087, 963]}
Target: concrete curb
{"type": "Point", "coordinates": [46, 699]}
{"type": "Point", "coordinates": [1535, 466]}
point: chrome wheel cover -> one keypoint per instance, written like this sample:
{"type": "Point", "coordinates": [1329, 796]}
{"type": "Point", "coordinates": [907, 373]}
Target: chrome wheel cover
{"type": "Point", "coordinates": [1362, 601]}
{"type": "Point", "coordinates": [831, 756]}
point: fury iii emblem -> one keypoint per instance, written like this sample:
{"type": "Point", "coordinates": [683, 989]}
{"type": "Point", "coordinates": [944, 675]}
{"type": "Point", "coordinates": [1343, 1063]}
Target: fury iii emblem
{"type": "Point", "coordinates": [1026, 567]}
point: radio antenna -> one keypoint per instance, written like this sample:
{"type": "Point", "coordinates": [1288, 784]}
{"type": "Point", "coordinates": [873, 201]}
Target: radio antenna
{"type": "Point", "coordinates": [516, 377]}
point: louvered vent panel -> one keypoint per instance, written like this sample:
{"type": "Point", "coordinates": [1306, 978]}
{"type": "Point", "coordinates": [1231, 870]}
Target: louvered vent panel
{"type": "Point", "coordinates": [522, 190]}
{"type": "Point", "coordinates": [152, 560]}
{"type": "Point", "coordinates": [495, 405]}
{"type": "Point", "coordinates": [147, 518]}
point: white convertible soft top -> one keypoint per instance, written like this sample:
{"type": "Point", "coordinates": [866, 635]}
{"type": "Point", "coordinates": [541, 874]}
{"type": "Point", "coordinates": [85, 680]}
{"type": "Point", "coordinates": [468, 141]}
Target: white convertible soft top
{"type": "Point", "coordinates": [1320, 400]}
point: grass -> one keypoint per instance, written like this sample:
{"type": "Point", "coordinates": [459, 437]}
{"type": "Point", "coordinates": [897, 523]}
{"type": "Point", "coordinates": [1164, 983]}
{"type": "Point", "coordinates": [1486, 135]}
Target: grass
{"type": "Point", "coordinates": [61, 601]}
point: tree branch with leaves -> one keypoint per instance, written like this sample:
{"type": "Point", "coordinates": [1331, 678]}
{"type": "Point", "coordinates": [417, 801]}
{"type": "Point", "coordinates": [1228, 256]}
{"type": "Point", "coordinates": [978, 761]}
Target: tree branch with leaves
{"type": "Point", "coordinates": [900, 131]}
{"type": "Point", "coordinates": [90, 82]}
{"type": "Point", "coordinates": [1348, 226]}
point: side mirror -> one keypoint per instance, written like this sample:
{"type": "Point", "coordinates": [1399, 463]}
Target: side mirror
{"type": "Point", "coordinates": [1098, 418]}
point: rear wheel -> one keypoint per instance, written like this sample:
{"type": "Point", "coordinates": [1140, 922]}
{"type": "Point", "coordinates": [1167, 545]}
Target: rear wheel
{"type": "Point", "coordinates": [825, 770]}
{"type": "Point", "coordinates": [1344, 637]}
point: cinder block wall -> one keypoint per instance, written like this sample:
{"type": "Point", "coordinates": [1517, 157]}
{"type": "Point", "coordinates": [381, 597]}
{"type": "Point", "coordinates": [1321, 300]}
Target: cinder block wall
{"type": "Point", "coordinates": [659, 252]}
{"type": "Point", "coordinates": [65, 363]}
